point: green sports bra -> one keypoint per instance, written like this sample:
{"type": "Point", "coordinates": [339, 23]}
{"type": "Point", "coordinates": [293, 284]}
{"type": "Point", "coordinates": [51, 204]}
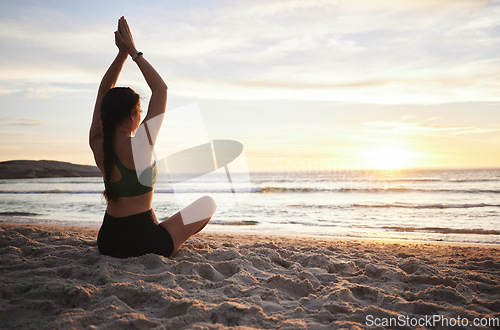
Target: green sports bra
{"type": "Point", "coordinates": [130, 185]}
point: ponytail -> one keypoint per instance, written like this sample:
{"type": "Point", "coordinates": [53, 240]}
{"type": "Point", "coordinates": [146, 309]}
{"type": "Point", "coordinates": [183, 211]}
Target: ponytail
{"type": "Point", "coordinates": [116, 105]}
{"type": "Point", "coordinates": [108, 130]}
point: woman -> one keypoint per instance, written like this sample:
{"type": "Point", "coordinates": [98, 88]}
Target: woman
{"type": "Point", "coordinates": [130, 227]}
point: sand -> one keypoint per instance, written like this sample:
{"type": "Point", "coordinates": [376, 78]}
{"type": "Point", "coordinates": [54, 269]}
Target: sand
{"type": "Point", "coordinates": [54, 277]}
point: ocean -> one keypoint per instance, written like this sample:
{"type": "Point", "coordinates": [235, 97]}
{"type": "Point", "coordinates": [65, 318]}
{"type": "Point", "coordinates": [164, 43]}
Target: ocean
{"type": "Point", "coordinates": [430, 205]}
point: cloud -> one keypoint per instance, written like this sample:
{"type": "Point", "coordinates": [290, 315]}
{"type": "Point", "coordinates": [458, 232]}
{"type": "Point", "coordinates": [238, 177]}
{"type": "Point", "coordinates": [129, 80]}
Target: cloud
{"type": "Point", "coordinates": [11, 121]}
{"type": "Point", "coordinates": [419, 128]}
{"type": "Point", "coordinates": [432, 118]}
{"type": "Point", "coordinates": [354, 51]}
{"type": "Point", "coordinates": [415, 51]}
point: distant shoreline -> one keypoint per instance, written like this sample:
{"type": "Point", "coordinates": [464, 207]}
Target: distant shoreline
{"type": "Point", "coordinates": [32, 169]}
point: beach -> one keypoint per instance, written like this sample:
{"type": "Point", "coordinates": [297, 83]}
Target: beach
{"type": "Point", "coordinates": [54, 277]}
{"type": "Point", "coordinates": [351, 149]}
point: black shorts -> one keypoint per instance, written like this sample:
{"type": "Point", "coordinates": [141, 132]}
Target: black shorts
{"type": "Point", "coordinates": [133, 236]}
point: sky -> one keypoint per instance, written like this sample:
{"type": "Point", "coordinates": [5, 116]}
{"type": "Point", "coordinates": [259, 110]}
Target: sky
{"type": "Point", "coordinates": [303, 85]}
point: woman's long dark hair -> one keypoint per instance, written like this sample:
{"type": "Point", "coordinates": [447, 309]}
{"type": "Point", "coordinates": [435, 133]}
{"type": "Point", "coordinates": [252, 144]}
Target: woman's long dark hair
{"type": "Point", "coordinates": [116, 105]}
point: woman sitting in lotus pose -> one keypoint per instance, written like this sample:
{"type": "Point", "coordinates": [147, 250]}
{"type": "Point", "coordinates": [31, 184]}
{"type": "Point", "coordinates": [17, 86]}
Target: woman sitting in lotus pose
{"type": "Point", "coordinates": [130, 227]}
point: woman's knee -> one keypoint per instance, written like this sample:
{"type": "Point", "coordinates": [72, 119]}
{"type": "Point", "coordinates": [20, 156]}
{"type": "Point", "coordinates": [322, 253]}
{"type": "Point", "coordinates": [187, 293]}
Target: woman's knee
{"type": "Point", "coordinates": [201, 209]}
{"type": "Point", "coordinates": [208, 204]}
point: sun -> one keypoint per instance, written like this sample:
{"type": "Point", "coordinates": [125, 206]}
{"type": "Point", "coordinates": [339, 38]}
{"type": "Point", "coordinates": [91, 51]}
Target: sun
{"type": "Point", "coordinates": [388, 158]}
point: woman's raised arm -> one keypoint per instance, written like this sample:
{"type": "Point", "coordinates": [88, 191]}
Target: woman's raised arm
{"type": "Point", "coordinates": [158, 101]}
{"type": "Point", "coordinates": [107, 82]}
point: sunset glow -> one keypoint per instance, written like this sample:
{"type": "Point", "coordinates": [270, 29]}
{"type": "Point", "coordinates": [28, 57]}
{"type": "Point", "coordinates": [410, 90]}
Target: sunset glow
{"type": "Point", "coordinates": [388, 158]}
{"type": "Point", "coordinates": [301, 84]}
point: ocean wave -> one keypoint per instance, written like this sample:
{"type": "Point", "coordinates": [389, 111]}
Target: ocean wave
{"type": "Point", "coordinates": [441, 180]}
{"type": "Point", "coordinates": [234, 222]}
{"type": "Point", "coordinates": [50, 191]}
{"type": "Point", "coordinates": [408, 180]}
{"type": "Point", "coordinates": [394, 205]}
{"type": "Point", "coordinates": [427, 206]}
{"type": "Point", "coordinates": [478, 231]}
{"type": "Point", "coordinates": [276, 189]}
{"type": "Point", "coordinates": [36, 221]}
{"type": "Point", "coordinates": [272, 189]}
{"type": "Point", "coordinates": [473, 180]}
{"type": "Point", "coordinates": [18, 214]}
{"type": "Point", "coordinates": [267, 189]}
{"type": "Point", "coordinates": [158, 191]}
{"type": "Point", "coordinates": [205, 190]}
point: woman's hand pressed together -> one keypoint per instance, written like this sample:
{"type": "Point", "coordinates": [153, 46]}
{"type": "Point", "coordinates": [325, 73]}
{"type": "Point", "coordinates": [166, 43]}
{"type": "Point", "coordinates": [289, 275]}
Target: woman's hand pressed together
{"type": "Point", "coordinates": [123, 37]}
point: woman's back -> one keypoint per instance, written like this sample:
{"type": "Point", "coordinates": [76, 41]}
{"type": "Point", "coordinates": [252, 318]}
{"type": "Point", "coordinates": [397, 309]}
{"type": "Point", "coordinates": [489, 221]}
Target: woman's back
{"type": "Point", "coordinates": [134, 197]}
